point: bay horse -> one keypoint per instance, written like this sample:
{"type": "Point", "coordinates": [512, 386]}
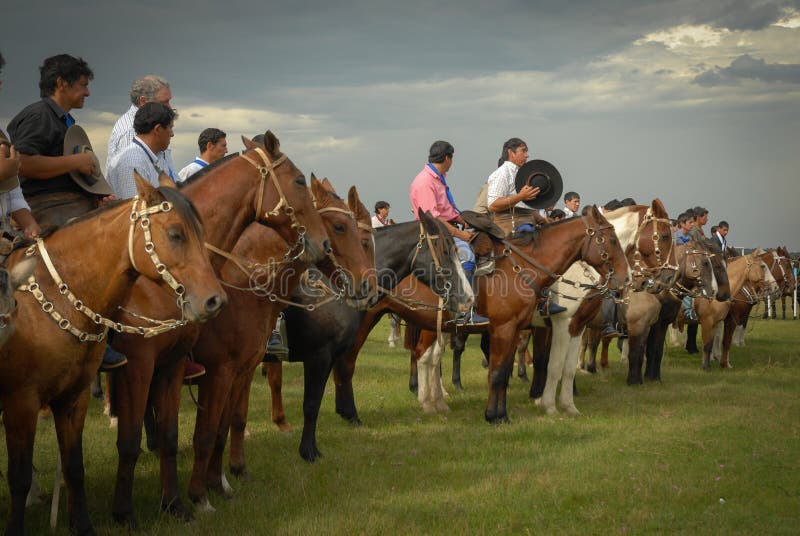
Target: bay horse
{"type": "Point", "coordinates": [322, 339]}
{"type": "Point", "coordinates": [263, 186]}
{"type": "Point", "coordinates": [508, 297]}
{"type": "Point", "coordinates": [10, 280]}
{"type": "Point", "coordinates": [79, 284]}
{"type": "Point", "coordinates": [645, 235]}
{"type": "Point", "coordinates": [748, 271]}
{"type": "Point", "coordinates": [232, 345]}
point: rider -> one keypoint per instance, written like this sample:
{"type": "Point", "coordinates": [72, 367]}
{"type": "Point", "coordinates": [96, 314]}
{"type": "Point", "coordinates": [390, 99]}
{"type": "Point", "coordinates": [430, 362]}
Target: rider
{"type": "Point", "coordinates": [508, 206]}
{"type": "Point", "coordinates": [429, 192]}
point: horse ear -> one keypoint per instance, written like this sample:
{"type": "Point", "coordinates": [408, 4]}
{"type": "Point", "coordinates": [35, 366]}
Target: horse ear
{"type": "Point", "coordinates": [317, 190]}
{"type": "Point", "coordinates": [353, 201]}
{"type": "Point", "coordinates": [165, 181]}
{"type": "Point", "coordinates": [21, 271]}
{"type": "Point", "coordinates": [271, 143]}
{"type": "Point", "coordinates": [146, 190]}
{"type": "Point", "coordinates": [658, 208]}
{"type": "Point", "coordinates": [327, 185]}
{"type": "Point", "coordinates": [248, 143]}
{"type": "Point", "coordinates": [428, 221]}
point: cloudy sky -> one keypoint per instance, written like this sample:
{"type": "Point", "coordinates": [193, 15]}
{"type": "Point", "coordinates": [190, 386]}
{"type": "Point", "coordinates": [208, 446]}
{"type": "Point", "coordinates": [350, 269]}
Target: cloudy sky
{"type": "Point", "coordinates": [697, 103]}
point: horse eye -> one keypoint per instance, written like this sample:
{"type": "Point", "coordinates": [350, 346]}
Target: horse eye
{"type": "Point", "coordinates": [301, 181]}
{"type": "Point", "coordinates": [365, 244]}
{"type": "Point", "coordinates": [175, 234]}
{"type": "Point", "coordinates": [339, 228]}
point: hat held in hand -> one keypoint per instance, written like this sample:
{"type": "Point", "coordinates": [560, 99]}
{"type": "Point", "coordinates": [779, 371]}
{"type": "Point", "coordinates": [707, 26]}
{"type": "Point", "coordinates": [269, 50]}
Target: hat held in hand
{"type": "Point", "coordinates": [543, 175]}
{"type": "Point", "coordinates": [76, 142]}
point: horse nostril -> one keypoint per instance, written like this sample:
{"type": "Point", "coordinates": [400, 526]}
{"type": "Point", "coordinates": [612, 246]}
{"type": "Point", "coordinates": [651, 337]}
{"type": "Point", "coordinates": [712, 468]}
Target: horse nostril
{"type": "Point", "coordinates": [365, 287]}
{"type": "Point", "coordinates": [326, 246]}
{"type": "Point", "coordinates": [213, 304]}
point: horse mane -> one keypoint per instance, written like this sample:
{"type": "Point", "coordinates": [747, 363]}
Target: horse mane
{"type": "Point", "coordinates": [200, 174]}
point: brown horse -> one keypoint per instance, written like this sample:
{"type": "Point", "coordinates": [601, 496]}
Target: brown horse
{"type": "Point", "coordinates": [232, 345]}
{"type": "Point", "coordinates": [52, 360]}
{"type": "Point", "coordinates": [10, 280]}
{"type": "Point", "coordinates": [230, 195]}
{"type": "Point", "coordinates": [508, 297]}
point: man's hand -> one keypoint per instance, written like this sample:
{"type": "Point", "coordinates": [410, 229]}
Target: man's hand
{"type": "Point", "coordinates": [85, 163]}
{"type": "Point", "coordinates": [107, 199]}
{"type": "Point", "coordinates": [466, 236]}
{"type": "Point", "coordinates": [32, 231]}
{"type": "Point", "coordinates": [9, 162]}
{"type": "Point", "coordinates": [528, 193]}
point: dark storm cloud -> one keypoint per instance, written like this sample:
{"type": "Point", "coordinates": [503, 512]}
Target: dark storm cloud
{"type": "Point", "coordinates": [748, 67]}
{"type": "Point", "coordinates": [742, 14]}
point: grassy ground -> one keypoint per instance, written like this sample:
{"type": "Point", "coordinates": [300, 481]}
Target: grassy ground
{"type": "Point", "coordinates": [702, 452]}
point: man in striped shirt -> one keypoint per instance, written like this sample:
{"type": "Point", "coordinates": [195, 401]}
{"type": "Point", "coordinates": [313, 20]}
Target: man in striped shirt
{"type": "Point", "coordinates": [153, 124]}
{"type": "Point", "coordinates": [150, 88]}
{"type": "Point", "coordinates": [213, 145]}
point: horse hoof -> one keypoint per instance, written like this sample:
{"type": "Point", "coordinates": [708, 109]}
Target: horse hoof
{"type": "Point", "coordinates": [284, 427]}
{"type": "Point", "coordinates": [127, 520]}
{"type": "Point", "coordinates": [442, 406]}
{"type": "Point", "coordinates": [227, 490]}
{"type": "Point", "coordinates": [485, 363]}
{"type": "Point", "coordinates": [457, 384]}
{"type": "Point", "coordinates": [538, 401]}
{"type": "Point", "coordinates": [523, 376]}
{"type": "Point", "coordinates": [176, 509]}
{"type": "Point", "coordinates": [204, 507]}
{"type": "Point", "coordinates": [240, 472]}
{"type": "Point", "coordinates": [592, 368]}
{"type": "Point", "coordinates": [572, 411]}
{"type": "Point", "coordinates": [428, 407]}
{"type": "Point", "coordinates": [551, 411]}
{"type": "Point", "coordinates": [310, 455]}
{"type": "Point", "coordinates": [113, 422]}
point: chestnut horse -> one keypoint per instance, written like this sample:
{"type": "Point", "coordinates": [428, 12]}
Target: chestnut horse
{"type": "Point", "coordinates": [322, 338]}
{"type": "Point", "coordinates": [260, 186]}
{"type": "Point", "coordinates": [88, 267]}
{"type": "Point", "coordinates": [523, 267]}
{"type": "Point", "coordinates": [232, 345]}
{"type": "Point", "coordinates": [10, 280]}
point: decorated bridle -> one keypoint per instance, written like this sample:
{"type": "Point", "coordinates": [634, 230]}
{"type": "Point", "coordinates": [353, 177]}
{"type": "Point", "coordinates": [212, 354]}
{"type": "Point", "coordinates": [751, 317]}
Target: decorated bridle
{"type": "Point", "coordinates": [140, 213]}
{"type": "Point", "coordinates": [698, 291]}
{"type": "Point", "coordinates": [638, 269]}
{"type": "Point", "coordinates": [753, 295]}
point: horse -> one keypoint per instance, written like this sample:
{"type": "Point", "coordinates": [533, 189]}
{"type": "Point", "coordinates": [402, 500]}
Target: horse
{"type": "Point", "coordinates": [323, 339]}
{"type": "Point", "coordinates": [261, 185]}
{"type": "Point", "coordinates": [51, 362]}
{"type": "Point", "coordinates": [508, 296]}
{"type": "Point", "coordinates": [750, 269]}
{"type": "Point", "coordinates": [645, 235]}
{"type": "Point", "coordinates": [10, 280]}
{"type": "Point", "coordinates": [232, 345]}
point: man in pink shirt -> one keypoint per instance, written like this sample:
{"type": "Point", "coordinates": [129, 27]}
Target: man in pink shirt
{"type": "Point", "coordinates": [429, 191]}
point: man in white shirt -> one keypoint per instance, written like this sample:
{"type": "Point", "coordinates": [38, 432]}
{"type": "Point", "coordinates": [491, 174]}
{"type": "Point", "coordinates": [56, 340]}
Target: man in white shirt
{"type": "Point", "coordinates": [153, 124]}
{"type": "Point", "coordinates": [212, 145]}
{"type": "Point", "coordinates": [572, 202]}
{"type": "Point", "coordinates": [150, 88]}
{"type": "Point", "coordinates": [502, 198]}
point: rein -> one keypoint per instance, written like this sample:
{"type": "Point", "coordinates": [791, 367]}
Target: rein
{"type": "Point", "coordinates": [678, 289]}
{"type": "Point", "coordinates": [142, 215]}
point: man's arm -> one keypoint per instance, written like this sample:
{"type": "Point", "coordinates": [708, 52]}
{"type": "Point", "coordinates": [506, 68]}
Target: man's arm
{"type": "Point", "coordinates": [47, 167]}
{"type": "Point", "coordinates": [502, 204]}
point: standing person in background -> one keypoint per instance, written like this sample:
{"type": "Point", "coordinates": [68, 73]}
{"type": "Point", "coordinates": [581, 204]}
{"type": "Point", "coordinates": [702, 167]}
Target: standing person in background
{"type": "Point", "coordinates": [572, 202]}
{"type": "Point", "coordinates": [381, 217]}
{"type": "Point", "coordinates": [700, 219]}
{"type": "Point", "coordinates": [719, 236]}
{"type": "Point", "coordinates": [150, 88]}
{"type": "Point", "coordinates": [213, 145]}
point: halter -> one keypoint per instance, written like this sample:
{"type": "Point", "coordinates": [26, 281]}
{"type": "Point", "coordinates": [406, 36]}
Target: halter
{"type": "Point", "coordinates": [142, 215]}
{"type": "Point", "coordinates": [640, 270]}
{"type": "Point", "coordinates": [678, 289]}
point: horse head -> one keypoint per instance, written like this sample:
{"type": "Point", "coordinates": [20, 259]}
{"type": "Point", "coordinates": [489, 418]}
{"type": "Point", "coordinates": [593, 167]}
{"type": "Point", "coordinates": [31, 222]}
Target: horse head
{"type": "Point", "coordinates": [718, 264]}
{"type": "Point", "coordinates": [283, 200]}
{"type": "Point", "coordinates": [759, 275]}
{"type": "Point", "coordinates": [658, 249]}
{"type": "Point", "coordinates": [166, 242]}
{"type": "Point", "coordinates": [366, 233]}
{"type": "Point", "coordinates": [695, 271]}
{"type": "Point", "coordinates": [603, 252]}
{"type": "Point", "coordinates": [348, 265]}
{"type": "Point", "coordinates": [438, 266]}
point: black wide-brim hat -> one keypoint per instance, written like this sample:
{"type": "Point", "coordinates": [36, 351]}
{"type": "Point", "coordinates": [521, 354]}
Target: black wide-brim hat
{"type": "Point", "coordinates": [77, 141]}
{"type": "Point", "coordinates": [545, 176]}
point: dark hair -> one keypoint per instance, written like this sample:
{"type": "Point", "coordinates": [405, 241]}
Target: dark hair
{"type": "Point", "coordinates": [381, 204]}
{"type": "Point", "coordinates": [570, 196]}
{"type": "Point", "coordinates": [152, 114]}
{"type": "Point", "coordinates": [557, 213]}
{"type": "Point", "coordinates": [439, 151]}
{"type": "Point", "coordinates": [2, 61]}
{"type": "Point", "coordinates": [513, 144]}
{"type": "Point", "coordinates": [614, 204]}
{"type": "Point", "coordinates": [723, 223]}
{"type": "Point", "coordinates": [209, 135]}
{"type": "Point", "coordinates": [699, 211]}
{"type": "Point", "coordinates": [68, 68]}
{"type": "Point", "coordinates": [690, 213]}
{"type": "Point", "coordinates": [683, 217]}
{"type": "Point", "coordinates": [713, 229]}
{"type": "Point", "coordinates": [627, 202]}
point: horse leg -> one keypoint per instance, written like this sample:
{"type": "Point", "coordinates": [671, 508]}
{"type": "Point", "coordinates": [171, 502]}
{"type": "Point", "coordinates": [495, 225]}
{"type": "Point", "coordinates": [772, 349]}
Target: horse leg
{"type": "Point", "coordinates": [130, 387]}
{"type": "Point", "coordinates": [274, 373]}
{"type": "Point", "coordinates": [316, 370]}
{"type": "Point", "coordinates": [708, 343]}
{"type": "Point", "coordinates": [215, 475]}
{"type": "Point", "coordinates": [522, 351]}
{"type": "Point", "coordinates": [593, 341]}
{"type": "Point", "coordinates": [425, 371]}
{"type": "Point", "coordinates": [166, 402]}
{"type": "Point", "coordinates": [727, 335]}
{"type": "Point", "coordinates": [567, 399]}
{"type": "Point", "coordinates": [636, 345]}
{"type": "Point", "coordinates": [149, 422]}
{"type": "Point", "coordinates": [69, 416]}
{"type": "Point", "coordinates": [502, 340]}
{"type": "Point", "coordinates": [413, 374]}
{"type": "Point", "coordinates": [19, 420]}
{"type": "Point", "coordinates": [437, 388]}
{"type": "Point", "coordinates": [97, 386]}
{"type": "Point", "coordinates": [541, 360]}
{"type": "Point", "coordinates": [716, 347]}
{"type": "Point", "coordinates": [214, 392]}
{"type": "Point", "coordinates": [485, 348]}
{"type": "Point", "coordinates": [344, 369]}
{"type": "Point", "coordinates": [459, 343]}
{"type": "Point", "coordinates": [555, 367]}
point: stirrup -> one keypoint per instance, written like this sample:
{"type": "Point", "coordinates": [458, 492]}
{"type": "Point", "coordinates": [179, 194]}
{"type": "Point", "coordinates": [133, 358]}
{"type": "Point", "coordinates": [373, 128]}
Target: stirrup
{"type": "Point", "coordinates": [485, 268]}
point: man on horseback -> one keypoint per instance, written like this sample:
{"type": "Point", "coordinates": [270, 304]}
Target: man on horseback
{"type": "Point", "coordinates": [429, 192]}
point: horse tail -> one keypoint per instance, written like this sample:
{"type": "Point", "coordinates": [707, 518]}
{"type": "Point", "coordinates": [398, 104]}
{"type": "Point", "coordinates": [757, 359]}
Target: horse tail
{"type": "Point", "coordinates": [411, 336]}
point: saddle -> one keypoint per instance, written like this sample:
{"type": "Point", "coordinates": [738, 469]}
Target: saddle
{"type": "Point", "coordinates": [484, 223]}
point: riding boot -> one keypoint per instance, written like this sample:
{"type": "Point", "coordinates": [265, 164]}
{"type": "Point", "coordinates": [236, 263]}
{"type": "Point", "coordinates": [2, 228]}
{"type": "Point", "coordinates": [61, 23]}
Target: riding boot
{"type": "Point", "coordinates": [691, 339]}
{"type": "Point", "coordinates": [111, 358]}
{"type": "Point", "coordinates": [608, 310]}
{"type": "Point", "coordinates": [548, 307]}
{"type": "Point", "coordinates": [472, 318]}
{"type": "Point", "coordinates": [276, 345]}
{"type": "Point", "coordinates": [688, 310]}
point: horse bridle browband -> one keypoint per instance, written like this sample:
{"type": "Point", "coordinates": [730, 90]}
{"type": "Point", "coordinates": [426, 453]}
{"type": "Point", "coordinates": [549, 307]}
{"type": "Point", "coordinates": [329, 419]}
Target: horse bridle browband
{"type": "Point", "coordinates": [141, 215]}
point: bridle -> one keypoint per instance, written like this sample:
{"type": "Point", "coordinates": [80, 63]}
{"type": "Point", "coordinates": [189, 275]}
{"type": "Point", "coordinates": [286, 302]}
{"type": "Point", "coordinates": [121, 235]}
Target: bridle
{"type": "Point", "coordinates": [698, 289]}
{"type": "Point", "coordinates": [638, 269]}
{"type": "Point", "coordinates": [140, 213]}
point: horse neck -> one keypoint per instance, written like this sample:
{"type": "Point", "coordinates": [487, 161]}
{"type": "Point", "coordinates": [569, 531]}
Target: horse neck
{"type": "Point", "coordinates": [104, 283]}
{"type": "Point", "coordinates": [625, 226]}
{"type": "Point", "coordinates": [224, 198]}
{"type": "Point", "coordinates": [557, 253]}
{"type": "Point", "coordinates": [394, 250]}
{"type": "Point", "coordinates": [737, 273]}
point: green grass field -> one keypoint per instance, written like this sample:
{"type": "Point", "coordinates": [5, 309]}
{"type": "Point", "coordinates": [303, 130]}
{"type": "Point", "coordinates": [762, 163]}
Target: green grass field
{"type": "Point", "coordinates": [703, 452]}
